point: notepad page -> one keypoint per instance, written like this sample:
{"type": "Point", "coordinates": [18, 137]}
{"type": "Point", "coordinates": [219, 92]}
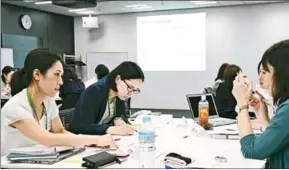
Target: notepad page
{"type": "Point", "coordinates": [33, 150]}
{"type": "Point", "coordinates": [39, 149]}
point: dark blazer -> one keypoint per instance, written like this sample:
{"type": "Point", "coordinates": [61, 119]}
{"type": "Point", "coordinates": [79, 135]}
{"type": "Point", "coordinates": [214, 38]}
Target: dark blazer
{"type": "Point", "coordinates": [225, 101]}
{"type": "Point", "coordinates": [90, 109]}
{"type": "Point", "coordinates": [70, 93]}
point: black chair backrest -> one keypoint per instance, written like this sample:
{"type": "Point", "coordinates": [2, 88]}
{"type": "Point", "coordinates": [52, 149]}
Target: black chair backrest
{"type": "Point", "coordinates": [127, 107]}
{"type": "Point", "coordinates": [70, 100]}
{"type": "Point", "coordinates": [66, 117]}
{"type": "Point", "coordinates": [3, 101]}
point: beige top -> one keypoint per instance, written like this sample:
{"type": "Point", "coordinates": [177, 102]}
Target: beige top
{"type": "Point", "coordinates": [5, 90]}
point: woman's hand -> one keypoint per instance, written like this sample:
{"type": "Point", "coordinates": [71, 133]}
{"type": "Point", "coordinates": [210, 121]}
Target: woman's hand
{"type": "Point", "coordinates": [106, 140]}
{"type": "Point", "coordinates": [259, 107]}
{"type": "Point", "coordinates": [118, 122]}
{"type": "Point", "coordinates": [256, 124]}
{"type": "Point", "coordinates": [242, 90]}
{"type": "Point", "coordinates": [121, 130]}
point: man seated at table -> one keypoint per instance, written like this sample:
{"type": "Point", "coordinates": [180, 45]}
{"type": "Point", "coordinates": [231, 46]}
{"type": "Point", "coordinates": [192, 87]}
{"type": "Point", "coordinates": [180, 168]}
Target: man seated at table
{"type": "Point", "coordinates": [101, 71]}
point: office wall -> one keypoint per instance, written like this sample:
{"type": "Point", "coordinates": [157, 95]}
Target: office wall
{"type": "Point", "coordinates": [238, 35]}
{"type": "Point", "coordinates": [56, 31]}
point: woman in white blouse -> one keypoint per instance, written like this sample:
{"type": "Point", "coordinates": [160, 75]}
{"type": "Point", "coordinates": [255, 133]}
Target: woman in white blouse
{"type": "Point", "coordinates": [31, 116]}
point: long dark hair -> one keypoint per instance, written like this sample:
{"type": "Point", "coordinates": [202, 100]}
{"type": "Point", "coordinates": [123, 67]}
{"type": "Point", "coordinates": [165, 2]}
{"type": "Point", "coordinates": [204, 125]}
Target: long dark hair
{"type": "Point", "coordinates": [230, 73]}
{"type": "Point", "coordinates": [278, 57]}
{"type": "Point", "coordinates": [5, 71]}
{"type": "Point", "coordinates": [126, 70]}
{"type": "Point", "coordinates": [40, 59]}
{"type": "Point", "coordinates": [221, 71]}
{"type": "Point", "coordinates": [259, 67]}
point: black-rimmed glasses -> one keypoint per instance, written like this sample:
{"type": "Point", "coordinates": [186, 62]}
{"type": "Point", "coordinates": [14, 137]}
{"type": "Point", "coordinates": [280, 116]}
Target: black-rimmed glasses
{"type": "Point", "coordinates": [131, 88]}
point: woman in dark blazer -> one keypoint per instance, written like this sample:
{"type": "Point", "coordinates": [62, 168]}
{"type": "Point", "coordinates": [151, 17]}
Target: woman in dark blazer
{"type": "Point", "coordinates": [225, 100]}
{"type": "Point", "coordinates": [101, 105]}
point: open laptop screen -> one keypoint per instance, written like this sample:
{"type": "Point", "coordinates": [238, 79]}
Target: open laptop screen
{"type": "Point", "coordinates": [194, 100]}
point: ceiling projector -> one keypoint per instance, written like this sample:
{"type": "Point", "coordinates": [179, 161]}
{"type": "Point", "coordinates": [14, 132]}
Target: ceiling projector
{"type": "Point", "coordinates": [90, 22]}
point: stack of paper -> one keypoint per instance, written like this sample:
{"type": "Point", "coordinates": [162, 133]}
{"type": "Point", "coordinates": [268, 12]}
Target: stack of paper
{"type": "Point", "coordinates": [19, 156]}
{"type": "Point", "coordinates": [36, 152]}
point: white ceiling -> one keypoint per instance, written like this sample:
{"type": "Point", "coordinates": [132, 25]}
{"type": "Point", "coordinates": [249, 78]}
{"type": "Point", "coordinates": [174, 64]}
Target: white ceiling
{"type": "Point", "coordinates": [114, 7]}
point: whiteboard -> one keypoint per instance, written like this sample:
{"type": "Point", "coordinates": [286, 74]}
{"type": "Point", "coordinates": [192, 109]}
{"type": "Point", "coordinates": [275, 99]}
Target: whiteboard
{"type": "Point", "coordinates": [7, 57]}
{"type": "Point", "coordinates": [110, 59]}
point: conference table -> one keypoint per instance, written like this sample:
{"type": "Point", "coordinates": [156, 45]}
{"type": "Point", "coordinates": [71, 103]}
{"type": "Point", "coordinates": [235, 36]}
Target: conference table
{"type": "Point", "coordinates": [181, 136]}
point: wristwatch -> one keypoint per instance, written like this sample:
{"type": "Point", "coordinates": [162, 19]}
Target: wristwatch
{"type": "Point", "coordinates": [238, 109]}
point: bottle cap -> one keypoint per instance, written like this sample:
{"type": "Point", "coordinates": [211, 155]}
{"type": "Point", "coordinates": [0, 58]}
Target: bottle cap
{"type": "Point", "coordinates": [146, 119]}
{"type": "Point", "coordinates": [203, 97]}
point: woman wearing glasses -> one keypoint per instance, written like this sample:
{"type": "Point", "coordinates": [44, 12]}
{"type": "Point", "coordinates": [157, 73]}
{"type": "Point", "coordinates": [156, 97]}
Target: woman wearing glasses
{"type": "Point", "coordinates": [101, 105]}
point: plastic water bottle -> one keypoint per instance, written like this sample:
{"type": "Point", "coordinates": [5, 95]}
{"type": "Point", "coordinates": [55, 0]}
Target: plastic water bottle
{"type": "Point", "coordinates": [147, 144]}
{"type": "Point", "coordinates": [204, 112]}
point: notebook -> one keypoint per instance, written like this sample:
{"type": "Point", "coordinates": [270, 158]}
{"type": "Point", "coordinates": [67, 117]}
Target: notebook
{"type": "Point", "coordinates": [40, 150]}
{"type": "Point", "coordinates": [20, 156]}
{"type": "Point", "coordinates": [42, 160]}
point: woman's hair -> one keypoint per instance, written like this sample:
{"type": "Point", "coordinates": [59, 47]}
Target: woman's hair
{"type": "Point", "coordinates": [259, 66]}
{"type": "Point", "coordinates": [101, 70]}
{"type": "Point", "coordinates": [15, 83]}
{"type": "Point", "coordinates": [5, 71]}
{"type": "Point", "coordinates": [69, 74]}
{"type": "Point", "coordinates": [278, 57]}
{"type": "Point", "coordinates": [231, 72]}
{"type": "Point", "coordinates": [40, 59]}
{"type": "Point", "coordinates": [126, 70]}
{"type": "Point", "coordinates": [221, 71]}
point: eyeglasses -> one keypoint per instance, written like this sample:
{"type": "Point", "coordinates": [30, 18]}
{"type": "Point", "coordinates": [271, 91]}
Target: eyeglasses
{"type": "Point", "coordinates": [130, 88]}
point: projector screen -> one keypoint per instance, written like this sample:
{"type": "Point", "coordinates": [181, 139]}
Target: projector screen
{"type": "Point", "coordinates": [172, 42]}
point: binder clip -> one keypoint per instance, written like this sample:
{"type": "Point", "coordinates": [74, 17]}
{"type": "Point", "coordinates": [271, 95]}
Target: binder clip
{"type": "Point", "coordinates": [221, 159]}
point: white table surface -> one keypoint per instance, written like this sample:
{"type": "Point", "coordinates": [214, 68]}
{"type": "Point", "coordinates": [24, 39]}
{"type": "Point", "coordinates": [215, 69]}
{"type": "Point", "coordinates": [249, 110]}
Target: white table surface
{"type": "Point", "coordinates": [201, 148]}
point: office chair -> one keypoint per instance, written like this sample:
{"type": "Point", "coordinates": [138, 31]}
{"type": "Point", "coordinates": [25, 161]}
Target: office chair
{"type": "Point", "coordinates": [66, 117]}
{"type": "Point", "coordinates": [127, 111]}
{"type": "Point", "coordinates": [208, 90]}
{"type": "Point", "coordinates": [127, 107]}
{"type": "Point", "coordinates": [3, 101]}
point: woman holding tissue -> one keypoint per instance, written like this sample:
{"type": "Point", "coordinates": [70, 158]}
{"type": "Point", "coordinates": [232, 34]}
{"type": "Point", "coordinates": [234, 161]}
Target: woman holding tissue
{"type": "Point", "coordinates": [273, 143]}
{"type": "Point", "coordinates": [101, 106]}
{"type": "Point", "coordinates": [31, 116]}
{"type": "Point", "coordinates": [263, 88]}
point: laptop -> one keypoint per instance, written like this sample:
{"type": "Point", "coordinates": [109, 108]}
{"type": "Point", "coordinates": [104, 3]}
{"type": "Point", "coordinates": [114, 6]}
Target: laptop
{"type": "Point", "coordinates": [214, 119]}
{"type": "Point", "coordinates": [49, 161]}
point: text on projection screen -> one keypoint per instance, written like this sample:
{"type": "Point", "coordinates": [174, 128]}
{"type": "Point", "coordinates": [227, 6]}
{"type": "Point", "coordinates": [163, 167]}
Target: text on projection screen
{"type": "Point", "coordinates": [172, 42]}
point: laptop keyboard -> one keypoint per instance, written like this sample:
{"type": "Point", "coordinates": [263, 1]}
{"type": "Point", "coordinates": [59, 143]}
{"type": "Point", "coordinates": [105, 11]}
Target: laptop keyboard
{"type": "Point", "coordinates": [221, 121]}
